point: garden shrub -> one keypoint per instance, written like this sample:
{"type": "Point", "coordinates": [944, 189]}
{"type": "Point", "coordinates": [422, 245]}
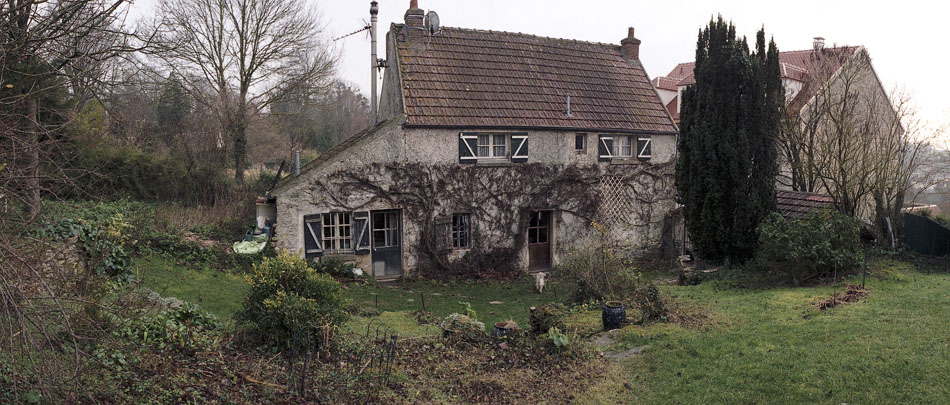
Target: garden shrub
{"type": "Point", "coordinates": [547, 316]}
{"type": "Point", "coordinates": [817, 245]}
{"type": "Point", "coordinates": [652, 307]}
{"type": "Point", "coordinates": [288, 300]}
{"type": "Point", "coordinates": [598, 272]}
{"type": "Point", "coordinates": [333, 267]}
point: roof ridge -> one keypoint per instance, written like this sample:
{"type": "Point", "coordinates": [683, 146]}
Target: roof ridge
{"type": "Point", "coordinates": [525, 35]}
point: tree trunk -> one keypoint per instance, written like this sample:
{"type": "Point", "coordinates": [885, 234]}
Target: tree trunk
{"type": "Point", "coordinates": [33, 158]}
{"type": "Point", "coordinates": [239, 134]}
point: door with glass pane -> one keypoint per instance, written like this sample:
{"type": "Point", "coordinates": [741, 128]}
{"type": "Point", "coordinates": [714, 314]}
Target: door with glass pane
{"type": "Point", "coordinates": [386, 228]}
{"type": "Point", "coordinates": [539, 240]}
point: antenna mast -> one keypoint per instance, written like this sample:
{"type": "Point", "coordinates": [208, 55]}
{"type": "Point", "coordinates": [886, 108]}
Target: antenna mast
{"type": "Point", "coordinates": [373, 10]}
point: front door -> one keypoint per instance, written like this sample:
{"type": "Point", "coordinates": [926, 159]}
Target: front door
{"type": "Point", "coordinates": [539, 240]}
{"type": "Point", "coordinates": [387, 250]}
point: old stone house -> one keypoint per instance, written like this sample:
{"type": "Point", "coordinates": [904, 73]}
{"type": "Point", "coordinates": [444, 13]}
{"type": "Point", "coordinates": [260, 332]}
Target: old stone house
{"type": "Point", "coordinates": [493, 150]}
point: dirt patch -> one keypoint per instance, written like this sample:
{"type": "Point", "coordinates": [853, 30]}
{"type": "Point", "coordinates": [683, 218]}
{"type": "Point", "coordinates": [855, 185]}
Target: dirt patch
{"type": "Point", "coordinates": [853, 293]}
{"type": "Point", "coordinates": [194, 238]}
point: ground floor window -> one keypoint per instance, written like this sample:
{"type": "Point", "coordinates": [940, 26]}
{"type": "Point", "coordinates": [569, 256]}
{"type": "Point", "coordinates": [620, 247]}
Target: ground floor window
{"type": "Point", "coordinates": [461, 231]}
{"type": "Point", "coordinates": [337, 233]}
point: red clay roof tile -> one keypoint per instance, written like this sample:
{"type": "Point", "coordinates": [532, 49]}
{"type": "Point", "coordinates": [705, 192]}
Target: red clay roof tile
{"type": "Point", "coordinates": [464, 77]}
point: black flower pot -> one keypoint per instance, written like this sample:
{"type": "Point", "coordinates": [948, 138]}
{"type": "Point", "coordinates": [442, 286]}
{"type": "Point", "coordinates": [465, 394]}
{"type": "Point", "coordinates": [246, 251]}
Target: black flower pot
{"type": "Point", "coordinates": [613, 315]}
{"type": "Point", "coordinates": [502, 328]}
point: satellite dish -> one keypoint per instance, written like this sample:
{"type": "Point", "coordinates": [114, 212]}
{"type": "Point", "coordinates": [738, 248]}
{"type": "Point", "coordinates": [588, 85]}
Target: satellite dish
{"type": "Point", "coordinates": [432, 22]}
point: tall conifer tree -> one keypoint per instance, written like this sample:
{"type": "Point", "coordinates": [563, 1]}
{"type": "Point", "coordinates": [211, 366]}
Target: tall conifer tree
{"type": "Point", "coordinates": [729, 120]}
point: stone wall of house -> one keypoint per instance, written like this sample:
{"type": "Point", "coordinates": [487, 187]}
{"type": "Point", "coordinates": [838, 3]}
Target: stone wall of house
{"type": "Point", "coordinates": [418, 170]}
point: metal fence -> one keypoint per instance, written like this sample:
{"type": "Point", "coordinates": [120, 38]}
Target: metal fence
{"type": "Point", "coordinates": [923, 235]}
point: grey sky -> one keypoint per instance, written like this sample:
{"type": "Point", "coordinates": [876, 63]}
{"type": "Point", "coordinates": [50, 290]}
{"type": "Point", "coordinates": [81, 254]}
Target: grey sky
{"type": "Point", "coordinates": [905, 39]}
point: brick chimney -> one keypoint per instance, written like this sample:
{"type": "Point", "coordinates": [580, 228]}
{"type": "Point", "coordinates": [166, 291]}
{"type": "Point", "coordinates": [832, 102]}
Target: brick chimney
{"type": "Point", "coordinates": [630, 46]}
{"type": "Point", "coordinates": [415, 16]}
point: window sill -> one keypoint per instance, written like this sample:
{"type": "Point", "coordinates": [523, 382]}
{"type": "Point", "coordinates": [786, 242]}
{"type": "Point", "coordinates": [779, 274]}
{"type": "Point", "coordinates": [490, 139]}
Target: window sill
{"type": "Point", "coordinates": [495, 163]}
{"type": "Point", "coordinates": [627, 161]}
{"type": "Point", "coordinates": [346, 257]}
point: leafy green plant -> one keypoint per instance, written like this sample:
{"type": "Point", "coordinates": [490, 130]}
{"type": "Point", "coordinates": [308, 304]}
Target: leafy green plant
{"type": "Point", "coordinates": [288, 298]}
{"type": "Point", "coordinates": [557, 338]}
{"type": "Point", "coordinates": [822, 242]}
{"type": "Point", "coordinates": [469, 312]}
{"type": "Point", "coordinates": [185, 327]}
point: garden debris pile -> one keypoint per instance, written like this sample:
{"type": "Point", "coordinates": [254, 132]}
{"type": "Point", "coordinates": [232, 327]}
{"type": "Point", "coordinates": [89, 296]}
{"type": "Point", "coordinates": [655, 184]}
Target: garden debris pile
{"type": "Point", "coordinates": [853, 293]}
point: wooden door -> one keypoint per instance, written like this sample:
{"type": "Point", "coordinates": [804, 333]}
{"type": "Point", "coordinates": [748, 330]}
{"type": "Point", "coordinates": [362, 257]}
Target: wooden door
{"type": "Point", "coordinates": [387, 246]}
{"type": "Point", "coordinates": [539, 240]}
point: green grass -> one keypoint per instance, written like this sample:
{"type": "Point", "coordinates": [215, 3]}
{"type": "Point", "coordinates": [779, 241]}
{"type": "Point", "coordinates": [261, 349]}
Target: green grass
{"type": "Point", "coordinates": [215, 291]}
{"type": "Point", "coordinates": [771, 346]}
{"type": "Point", "coordinates": [515, 297]}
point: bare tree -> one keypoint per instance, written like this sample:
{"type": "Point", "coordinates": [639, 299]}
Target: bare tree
{"type": "Point", "coordinates": [845, 136]}
{"type": "Point", "coordinates": [54, 55]}
{"type": "Point", "coordinates": [251, 53]}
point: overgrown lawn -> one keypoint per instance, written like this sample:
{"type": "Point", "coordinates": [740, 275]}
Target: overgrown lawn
{"type": "Point", "coordinates": [773, 346]}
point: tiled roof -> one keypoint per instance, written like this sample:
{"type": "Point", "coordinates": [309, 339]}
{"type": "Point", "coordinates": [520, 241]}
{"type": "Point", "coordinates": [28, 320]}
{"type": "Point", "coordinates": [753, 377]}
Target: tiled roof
{"type": "Point", "coordinates": [664, 83]}
{"type": "Point", "coordinates": [797, 204]}
{"type": "Point", "coordinates": [475, 78]}
{"type": "Point", "coordinates": [795, 65]}
{"type": "Point", "coordinates": [674, 112]}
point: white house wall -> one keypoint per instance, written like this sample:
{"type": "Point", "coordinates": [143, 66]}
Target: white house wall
{"type": "Point", "coordinates": [393, 143]}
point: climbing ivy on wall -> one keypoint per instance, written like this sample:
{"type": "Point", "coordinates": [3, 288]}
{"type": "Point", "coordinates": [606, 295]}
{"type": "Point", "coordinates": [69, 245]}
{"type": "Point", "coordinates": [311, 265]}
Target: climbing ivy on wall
{"type": "Point", "coordinates": [498, 197]}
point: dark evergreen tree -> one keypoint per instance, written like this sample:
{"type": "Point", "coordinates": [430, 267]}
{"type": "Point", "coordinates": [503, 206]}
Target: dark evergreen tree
{"type": "Point", "coordinates": [729, 120]}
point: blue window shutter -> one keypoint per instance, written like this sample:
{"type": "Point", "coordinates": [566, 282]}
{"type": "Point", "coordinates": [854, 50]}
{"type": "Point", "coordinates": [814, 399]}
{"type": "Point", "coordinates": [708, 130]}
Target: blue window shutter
{"type": "Point", "coordinates": [313, 235]}
{"type": "Point", "coordinates": [361, 232]}
{"type": "Point", "coordinates": [468, 147]}
{"type": "Point", "coordinates": [605, 147]}
{"type": "Point", "coordinates": [644, 148]}
{"type": "Point", "coordinates": [519, 147]}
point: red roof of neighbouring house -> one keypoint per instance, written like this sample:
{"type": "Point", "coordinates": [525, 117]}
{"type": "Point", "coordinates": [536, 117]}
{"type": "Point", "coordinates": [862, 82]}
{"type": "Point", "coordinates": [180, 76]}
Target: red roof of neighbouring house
{"type": "Point", "coordinates": [797, 204]}
{"type": "Point", "coordinates": [475, 78]}
{"type": "Point", "coordinates": [664, 83]}
{"type": "Point", "coordinates": [795, 65]}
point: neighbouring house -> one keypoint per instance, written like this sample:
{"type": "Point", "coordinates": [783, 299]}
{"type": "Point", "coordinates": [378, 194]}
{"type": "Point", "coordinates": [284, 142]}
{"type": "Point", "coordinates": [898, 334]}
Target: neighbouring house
{"type": "Point", "coordinates": [493, 150]}
{"type": "Point", "coordinates": [827, 89]}
{"type": "Point", "coordinates": [801, 70]}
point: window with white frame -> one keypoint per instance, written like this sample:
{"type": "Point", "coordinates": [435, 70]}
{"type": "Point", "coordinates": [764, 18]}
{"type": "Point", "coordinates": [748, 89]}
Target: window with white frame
{"type": "Point", "coordinates": [580, 143]}
{"type": "Point", "coordinates": [337, 233]}
{"type": "Point", "coordinates": [493, 145]}
{"type": "Point", "coordinates": [625, 147]}
{"type": "Point", "coordinates": [461, 231]}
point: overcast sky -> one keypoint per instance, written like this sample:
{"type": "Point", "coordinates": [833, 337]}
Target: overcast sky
{"type": "Point", "coordinates": [907, 40]}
